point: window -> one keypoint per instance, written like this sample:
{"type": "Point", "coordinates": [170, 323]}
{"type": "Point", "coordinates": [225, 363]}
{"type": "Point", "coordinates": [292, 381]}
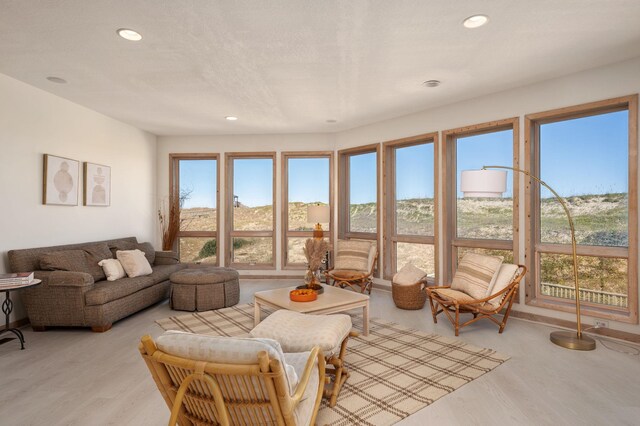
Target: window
{"type": "Point", "coordinates": [307, 179]}
{"type": "Point", "coordinates": [194, 187]}
{"type": "Point", "coordinates": [588, 155]}
{"type": "Point", "coordinates": [358, 193]}
{"type": "Point", "coordinates": [484, 225]}
{"type": "Point", "coordinates": [409, 209]}
{"type": "Point", "coordinates": [250, 219]}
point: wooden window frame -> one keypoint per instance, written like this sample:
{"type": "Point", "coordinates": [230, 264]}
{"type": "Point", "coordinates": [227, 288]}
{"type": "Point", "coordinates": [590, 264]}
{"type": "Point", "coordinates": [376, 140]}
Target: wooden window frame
{"type": "Point", "coordinates": [174, 196]}
{"type": "Point", "coordinates": [343, 196]}
{"type": "Point", "coordinates": [230, 233]}
{"type": "Point", "coordinates": [534, 247]}
{"type": "Point", "coordinates": [390, 236]}
{"type": "Point", "coordinates": [286, 233]}
{"type": "Point", "coordinates": [451, 242]}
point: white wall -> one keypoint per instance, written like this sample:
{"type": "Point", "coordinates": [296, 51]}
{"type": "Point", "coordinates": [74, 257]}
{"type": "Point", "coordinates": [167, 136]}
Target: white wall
{"type": "Point", "coordinates": [34, 122]}
{"type": "Point", "coordinates": [240, 143]}
{"type": "Point", "coordinates": [593, 85]}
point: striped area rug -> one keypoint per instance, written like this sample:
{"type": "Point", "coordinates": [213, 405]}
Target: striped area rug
{"type": "Point", "coordinates": [395, 371]}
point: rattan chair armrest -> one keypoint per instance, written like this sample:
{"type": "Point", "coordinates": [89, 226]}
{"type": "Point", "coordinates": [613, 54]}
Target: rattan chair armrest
{"type": "Point", "coordinates": [316, 353]}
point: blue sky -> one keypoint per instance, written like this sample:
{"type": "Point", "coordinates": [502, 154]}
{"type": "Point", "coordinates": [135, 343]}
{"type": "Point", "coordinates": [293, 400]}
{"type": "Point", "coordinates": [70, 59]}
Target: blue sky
{"type": "Point", "coordinates": [199, 176]}
{"type": "Point", "coordinates": [586, 155]}
{"type": "Point", "coordinates": [309, 180]}
{"type": "Point", "coordinates": [253, 181]}
{"type": "Point", "coordinates": [488, 149]}
{"type": "Point", "coordinates": [581, 156]}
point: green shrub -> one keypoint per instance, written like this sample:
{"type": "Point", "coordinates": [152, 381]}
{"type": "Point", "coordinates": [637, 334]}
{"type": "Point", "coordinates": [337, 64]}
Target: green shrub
{"type": "Point", "coordinates": [209, 249]}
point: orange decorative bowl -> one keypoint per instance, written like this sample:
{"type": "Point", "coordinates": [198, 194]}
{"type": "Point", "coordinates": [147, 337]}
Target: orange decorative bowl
{"type": "Point", "coordinates": [303, 295]}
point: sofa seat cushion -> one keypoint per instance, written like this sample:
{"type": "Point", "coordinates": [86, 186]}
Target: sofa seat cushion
{"type": "Point", "coordinates": [107, 291]}
{"type": "Point", "coordinates": [163, 272]}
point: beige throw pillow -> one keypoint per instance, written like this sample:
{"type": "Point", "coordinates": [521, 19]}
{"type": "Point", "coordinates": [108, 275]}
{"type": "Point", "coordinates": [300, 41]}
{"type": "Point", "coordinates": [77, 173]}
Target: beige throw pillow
{"type": "Point", "coordinates": [112, 269]}
{"type": "Point", "coordinates": [352, 255]}
{"type": "Point", "coordinates": [134, 262]}
{"type": "Point", "coordinates": [503, 279]}
{"type": "Point", "coordinates": [409, 274]}
{"type": "Point", "coordinates": [476, 274]}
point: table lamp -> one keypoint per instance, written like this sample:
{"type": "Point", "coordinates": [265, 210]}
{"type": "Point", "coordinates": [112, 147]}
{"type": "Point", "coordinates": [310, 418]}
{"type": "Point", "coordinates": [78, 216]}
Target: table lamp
{"type": "Point", "coordinates": [318, 213]}
{"type": "Point", "coordinates": [492, 183]}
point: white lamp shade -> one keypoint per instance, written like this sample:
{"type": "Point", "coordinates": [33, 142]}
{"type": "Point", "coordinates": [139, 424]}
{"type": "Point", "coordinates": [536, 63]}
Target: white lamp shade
{"type": "Point", "coordinates": [317, 214]}
{"type": "Point", "coordinates": [483, 183]}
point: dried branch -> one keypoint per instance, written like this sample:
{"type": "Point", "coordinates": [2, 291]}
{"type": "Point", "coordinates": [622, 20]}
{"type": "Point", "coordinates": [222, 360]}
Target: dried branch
{"type": "Point", "coordinates": [315, 251]}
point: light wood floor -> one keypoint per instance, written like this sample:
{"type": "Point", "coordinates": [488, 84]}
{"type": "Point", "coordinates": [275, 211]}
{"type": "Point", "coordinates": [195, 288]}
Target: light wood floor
{"type": "Point", "coordinates": [76, 377]}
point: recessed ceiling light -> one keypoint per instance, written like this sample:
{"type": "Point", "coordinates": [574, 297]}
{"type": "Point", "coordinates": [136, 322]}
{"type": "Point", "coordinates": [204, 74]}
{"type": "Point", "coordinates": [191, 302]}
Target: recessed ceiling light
{"type": "Point", "coordinates": [332, 121]}
{"type": "Point", "coordinates": [128, 34]}
{"type": "Point", "coordinates": [231, 118]}
{"type": "Point", "coordinates": [431, 83]}
{"type": "Point", "coordinates": [475, 21]}
{"type": "Point", "coordinates": [57, 80]}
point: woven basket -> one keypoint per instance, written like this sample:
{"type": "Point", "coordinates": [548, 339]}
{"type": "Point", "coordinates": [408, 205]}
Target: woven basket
{"type": "Point", "coordinates": [411, 297]}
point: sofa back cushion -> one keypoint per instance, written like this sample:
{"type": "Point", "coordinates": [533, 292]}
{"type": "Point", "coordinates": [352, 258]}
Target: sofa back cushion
{"type": "Point", "coordinates": [146, 248]}
{"type": "Point", "coordinates": [28, 260]}
{"type": "Point", "coordinates": [224, 350]}
{"type": "Point", "coordinates": [85, 260]}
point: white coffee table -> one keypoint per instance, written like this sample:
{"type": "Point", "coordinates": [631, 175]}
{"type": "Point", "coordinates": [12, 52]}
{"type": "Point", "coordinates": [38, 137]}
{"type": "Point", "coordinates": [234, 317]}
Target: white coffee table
{"type": "Point", "coordinates": [332, 301]}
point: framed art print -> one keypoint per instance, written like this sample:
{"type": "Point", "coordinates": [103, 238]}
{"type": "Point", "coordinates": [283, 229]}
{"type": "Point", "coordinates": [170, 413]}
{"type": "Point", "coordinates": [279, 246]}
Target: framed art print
{"type": "Point", "coordinates": [97, 185]}
{"type": "Point", "coordinates": [60, 181]}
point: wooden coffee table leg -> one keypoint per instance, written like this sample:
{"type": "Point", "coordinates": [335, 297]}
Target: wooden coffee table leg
{"type": "Point", "coordinates": [256, 313]}
{"type": "Point", "coordinates": [365, 320]}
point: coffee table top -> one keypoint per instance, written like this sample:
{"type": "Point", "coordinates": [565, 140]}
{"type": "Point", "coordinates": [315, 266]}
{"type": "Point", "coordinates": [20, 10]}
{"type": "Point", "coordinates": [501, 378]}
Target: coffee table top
{"type": "Point", "coordinates": [332, 297]}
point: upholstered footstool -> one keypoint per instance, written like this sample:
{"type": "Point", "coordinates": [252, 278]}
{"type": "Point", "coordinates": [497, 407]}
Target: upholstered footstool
{"type": "Point", "coordinates": [298, 332]}
{"type": "Point", "coordinates": [204, 289]}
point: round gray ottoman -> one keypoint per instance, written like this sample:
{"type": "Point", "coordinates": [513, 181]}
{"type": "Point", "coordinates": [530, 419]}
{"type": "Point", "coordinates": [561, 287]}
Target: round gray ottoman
{"type": "Point", "coordinates": [204, 289]}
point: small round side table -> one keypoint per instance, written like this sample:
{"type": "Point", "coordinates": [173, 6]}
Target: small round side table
{"type": "Point", "coordinates": [7, 308]}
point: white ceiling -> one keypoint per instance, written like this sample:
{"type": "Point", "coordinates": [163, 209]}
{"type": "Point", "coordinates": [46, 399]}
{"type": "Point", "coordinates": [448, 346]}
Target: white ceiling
{"type": "Point", "coordinates": [287, 66]}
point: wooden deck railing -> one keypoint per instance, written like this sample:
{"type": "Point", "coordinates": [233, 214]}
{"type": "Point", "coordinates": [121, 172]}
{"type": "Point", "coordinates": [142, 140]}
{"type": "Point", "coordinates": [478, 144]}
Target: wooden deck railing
{"type": "Point", "coordinates": [586, 295]}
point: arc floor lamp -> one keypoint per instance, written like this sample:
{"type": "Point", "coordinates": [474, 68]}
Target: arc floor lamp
{"type": "Point", "coordinates": [493, 183]}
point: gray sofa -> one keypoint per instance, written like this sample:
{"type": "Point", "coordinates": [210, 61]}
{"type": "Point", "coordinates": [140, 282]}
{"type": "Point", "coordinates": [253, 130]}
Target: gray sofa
{"type": "Point", "coordinates": [76, 293]}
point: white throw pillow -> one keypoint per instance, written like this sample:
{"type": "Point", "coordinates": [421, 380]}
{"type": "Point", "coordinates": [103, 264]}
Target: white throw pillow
{"type": "Point", "coordinates": [409, 274]}
{"type": "Point", "coordinates": [224, 350]}
{"type": "Point", "coordinates": [112, 269]}
{"type": "Point", "coordinates": [134, 262]}
{"type": "Point", "coordinates": [505, 275]}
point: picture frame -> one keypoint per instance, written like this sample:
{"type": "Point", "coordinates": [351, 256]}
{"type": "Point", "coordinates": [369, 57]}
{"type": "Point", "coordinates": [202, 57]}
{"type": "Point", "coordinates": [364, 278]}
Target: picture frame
{"type": "Point", "coordinates": [60, 179]}
{"type": "Point", "coordinates": [97, 185]}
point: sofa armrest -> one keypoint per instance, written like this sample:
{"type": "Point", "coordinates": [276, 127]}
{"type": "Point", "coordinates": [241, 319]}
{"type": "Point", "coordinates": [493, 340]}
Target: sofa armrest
{"type": "Point", "coordinates": [64, 278]}
{"type": "Point", "coordinates": [166, 258]}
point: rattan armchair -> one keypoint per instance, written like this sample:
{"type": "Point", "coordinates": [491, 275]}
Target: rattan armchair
{"type": "Point", "coordinates": [453, 303]}
{"type": "Point", "coordinates": [205, 393]}
{"type": "Point", "coordinates": [360, 280]}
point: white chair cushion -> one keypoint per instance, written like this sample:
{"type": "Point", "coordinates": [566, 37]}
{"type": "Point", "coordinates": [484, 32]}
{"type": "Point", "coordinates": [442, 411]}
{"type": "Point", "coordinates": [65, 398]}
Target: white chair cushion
{"type": "Point", "coordinates": [353, 255]}
{"type": "Point", "coordinates": [298, 332]}
{"type": "Point", "coordinates": [304, 410]}
{"type": "Point", "coordinates": [505, 276]}
{"type": "Point", "coordinates": [134, 262]}
{"type": "Point", "coordinates": [476, 273]}
{"type": "Point", "coordinates": [409, 274]}
{"type": "Point", "coordinates": [224, 350]}
{"type": "Point", "coordinates": [372, 256]}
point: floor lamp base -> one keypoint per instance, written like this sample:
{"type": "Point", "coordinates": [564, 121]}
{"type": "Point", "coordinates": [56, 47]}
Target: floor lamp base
{"type": "Point", "coordinates": [570, 340]}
